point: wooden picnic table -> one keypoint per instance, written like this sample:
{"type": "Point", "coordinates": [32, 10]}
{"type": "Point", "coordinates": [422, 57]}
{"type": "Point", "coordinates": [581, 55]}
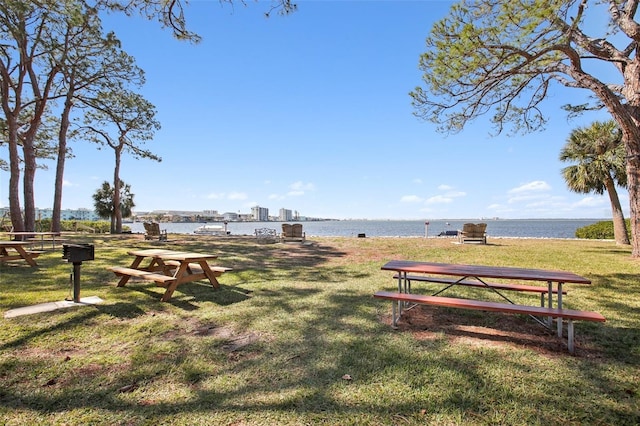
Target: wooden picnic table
{"type": "Point", "coordinates": [15, 250]}
{"type": "Point", "coordinates": [38, 236]}
{"type": "Point", "coordinates": [479, 273]}
{"type": "Point", "coordinates": [169, 269]}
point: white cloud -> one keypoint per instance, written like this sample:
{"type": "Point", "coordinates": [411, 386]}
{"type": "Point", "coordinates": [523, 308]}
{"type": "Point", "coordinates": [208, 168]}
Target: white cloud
{"type": "Point", "coordinates": [439, 199]}
{"type": "Point", "coordinates": [417, 181]}
{"type": "Point", "coordinates": [67, 183]}
{"type": "Point", "coordinates": [449, 194]}
{"type": "Point", "coordinates": [590, 202]}
{"type": "Point", "coordinates": [535, 186]}
{"type": "Point", "coordinates": [300, 188]}
{"type": "Point", "coordinates": [455, 194]}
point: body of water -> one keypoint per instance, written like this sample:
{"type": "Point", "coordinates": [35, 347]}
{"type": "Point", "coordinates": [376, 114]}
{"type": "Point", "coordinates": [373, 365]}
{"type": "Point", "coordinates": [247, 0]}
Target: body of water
{"type": "Point", "coordinates": [520, 228]}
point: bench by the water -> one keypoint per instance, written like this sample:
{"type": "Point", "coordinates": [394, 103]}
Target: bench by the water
{"type": "Point", "coordinates": [266, 235]}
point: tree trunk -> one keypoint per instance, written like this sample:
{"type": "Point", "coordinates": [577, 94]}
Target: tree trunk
{"type": "Point", "coordinates": [15, 209]}
{"type": "Point", "coordinates": [629, 121]}
{"type": "Point", "coordinates": [62, 156]}
{"type": "Point", "coordinates": [29, 157]}
{"type": "Point", "coordinates": [619, 225]}
{"type": "Point", "coordinates": [117, 214]}
{"type": "Point", "coordinates": [633, 182]}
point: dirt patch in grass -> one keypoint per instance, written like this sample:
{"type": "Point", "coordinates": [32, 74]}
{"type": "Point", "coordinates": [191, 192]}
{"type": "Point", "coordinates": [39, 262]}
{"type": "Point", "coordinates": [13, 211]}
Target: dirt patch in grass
{"type": "Point", "coordinates": [499, 330]}
{"type": "Point", "coordinates": [233, 341]}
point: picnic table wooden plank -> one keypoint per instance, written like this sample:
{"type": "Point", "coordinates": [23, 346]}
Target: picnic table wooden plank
{"type": "Point", "coordinates": [505, 272]}
{"type": "Point", "coordinates": [159, 278]}
{"type": "Point", "coordinates": [171, 267]}
{"type": "Point", "coordinates": [21, 253]}
{"type": "Point", "coordinates": [451, 302]}
{"type": "Point", "coordinates": [481, 272]}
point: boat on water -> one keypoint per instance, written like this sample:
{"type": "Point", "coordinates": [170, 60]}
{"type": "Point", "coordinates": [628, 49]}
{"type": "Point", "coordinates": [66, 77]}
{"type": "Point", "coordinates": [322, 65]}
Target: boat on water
{"type": "Point", "coordinates": [211, 230]}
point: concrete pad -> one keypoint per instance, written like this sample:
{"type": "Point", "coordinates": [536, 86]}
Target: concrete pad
{"type": "Point", "coordinates": [51, 306]}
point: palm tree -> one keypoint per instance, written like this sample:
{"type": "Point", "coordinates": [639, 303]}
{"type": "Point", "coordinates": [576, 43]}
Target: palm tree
{"type": "Point", "coordinates": [600, 157]}
{"type": "Point", "coordinates": [103, 201]}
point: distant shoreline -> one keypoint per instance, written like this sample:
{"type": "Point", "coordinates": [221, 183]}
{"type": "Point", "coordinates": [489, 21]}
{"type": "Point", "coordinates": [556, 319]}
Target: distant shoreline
{"type": "Point", "coordinates": [504, 228]}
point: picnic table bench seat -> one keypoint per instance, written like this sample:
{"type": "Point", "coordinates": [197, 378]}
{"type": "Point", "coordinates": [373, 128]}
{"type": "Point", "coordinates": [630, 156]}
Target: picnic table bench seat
{"type": "Point", "coordinates": [497, 286]}
{"type": "Point", "coordinates": [32, 253]}
{"type": "Point", "coordinates": [451, 302]}
{"type": "Point", "coordinates": [147, 275]}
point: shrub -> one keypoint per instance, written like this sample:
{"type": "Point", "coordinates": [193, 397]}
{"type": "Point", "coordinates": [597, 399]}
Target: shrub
{"type": "Point", "coordinates": [600, 230]}
{"type": "Point", "coordinates": [99, 227]}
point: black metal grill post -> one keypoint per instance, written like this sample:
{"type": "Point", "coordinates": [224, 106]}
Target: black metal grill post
{"type": "Point", "coordinates": [76, 254]}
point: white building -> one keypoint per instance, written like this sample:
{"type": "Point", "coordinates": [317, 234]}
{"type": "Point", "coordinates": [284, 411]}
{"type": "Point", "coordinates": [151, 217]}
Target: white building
{"type": "Point", "coordinates": [285, 215]}
{"type": "Point", "coordinates": [68, 214]}
{"type": "Point", "coordinates": [260, 214]}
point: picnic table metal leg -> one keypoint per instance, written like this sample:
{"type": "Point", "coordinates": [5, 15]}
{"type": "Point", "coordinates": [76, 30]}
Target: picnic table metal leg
{"type": "Point", "coordinates": [402, 287]}
{"type": "Point", "coordinates": [406, 282]}
{"type": "Point", "coordinates": [559, 320]}
{"type": "Point", "coordinates": [394, 312]}
{"type": "Point", "coordinates": [550, 293]}
{"type": "Point", "coordinates": [570, 335]}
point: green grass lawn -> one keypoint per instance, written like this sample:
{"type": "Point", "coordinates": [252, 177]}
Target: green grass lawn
{"type": "Point", "coordinates": [295, 337]}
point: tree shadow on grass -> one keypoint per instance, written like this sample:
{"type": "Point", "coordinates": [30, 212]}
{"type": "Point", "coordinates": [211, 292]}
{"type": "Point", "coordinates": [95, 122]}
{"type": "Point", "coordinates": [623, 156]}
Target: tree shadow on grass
{"type": "Point", "coordinates": [86, 314]}
{"type": "Point", "coordinates": [340, 345]}
{"type": "Point", "coordinates": [489, 329]}
{"type": "Point", "coordinates": [320, 335]}
{"type": "Point", "coordinates": [190, 296]}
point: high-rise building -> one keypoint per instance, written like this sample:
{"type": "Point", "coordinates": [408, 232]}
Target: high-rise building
{"type": "Point", "coordinates": [260, 213]}
{"type": "Point", "coordinates": [285, 215]}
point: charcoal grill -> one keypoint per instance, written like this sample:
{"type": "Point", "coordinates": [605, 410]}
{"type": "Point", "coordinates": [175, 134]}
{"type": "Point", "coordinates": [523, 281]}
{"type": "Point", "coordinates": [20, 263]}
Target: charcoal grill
{"type": "Point", "coordinates": [76, 254]}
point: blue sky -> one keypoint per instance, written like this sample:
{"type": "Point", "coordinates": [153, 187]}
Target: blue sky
{"type": "Point", "coordinates": [311, 113]}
